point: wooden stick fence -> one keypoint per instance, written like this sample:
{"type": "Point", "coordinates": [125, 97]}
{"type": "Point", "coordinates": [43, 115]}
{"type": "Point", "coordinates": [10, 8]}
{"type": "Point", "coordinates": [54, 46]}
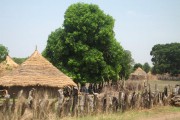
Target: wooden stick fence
{"type": "Point", "coordinates": [81, 104]}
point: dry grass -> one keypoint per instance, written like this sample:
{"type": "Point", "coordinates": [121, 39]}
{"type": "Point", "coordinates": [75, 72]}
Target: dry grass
{"type": "Point", "coordinates": [160, 83]}
{"type": "Point", "coordinates": [156, 113]}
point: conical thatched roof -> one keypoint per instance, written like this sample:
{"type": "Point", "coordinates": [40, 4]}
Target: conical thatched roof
{"type": "Point", "coordinates": [139, 71]}
{"type": "Point", "coordinates": [138, 74]}
{"type": "Point", "coordinates": [36, 70]}
{"type": "Point", "coordinates": [7, 65]}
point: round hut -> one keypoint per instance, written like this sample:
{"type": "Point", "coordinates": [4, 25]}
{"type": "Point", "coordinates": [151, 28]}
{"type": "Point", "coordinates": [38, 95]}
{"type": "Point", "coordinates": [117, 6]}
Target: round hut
{"type": "Point", "coordinates": [36, 72]}
{"type": "Point", "coordinates": [138, 74]}
{"type": "Point", "coordinates": [7, 66]}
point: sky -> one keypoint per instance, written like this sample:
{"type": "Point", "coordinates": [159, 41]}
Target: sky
{"type": "Point", "coordinates": [139, 24]}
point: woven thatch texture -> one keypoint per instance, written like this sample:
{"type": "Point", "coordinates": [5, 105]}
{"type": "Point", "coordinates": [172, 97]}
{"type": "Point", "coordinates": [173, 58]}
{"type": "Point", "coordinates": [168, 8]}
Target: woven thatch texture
{"type": "Point", "coordinates": [139, 71]}
{"type": "Point", "coordinates": [7, 66]}
{"type": "Point", "coordinates": [138, 74]}
{"type": "Point", "coordinates": [36, 70]}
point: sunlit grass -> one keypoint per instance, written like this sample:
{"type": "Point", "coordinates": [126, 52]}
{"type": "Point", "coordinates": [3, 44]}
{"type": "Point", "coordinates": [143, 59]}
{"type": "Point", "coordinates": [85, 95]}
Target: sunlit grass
{"type": "Point", "coordinates": [133, 114]}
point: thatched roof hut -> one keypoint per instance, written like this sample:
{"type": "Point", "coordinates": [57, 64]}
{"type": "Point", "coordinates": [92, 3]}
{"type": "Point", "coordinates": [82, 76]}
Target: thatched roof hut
{"type": "Point", "coordinates": [36, 72]}
{"type": "Point", "coordinates": [7, 66]}
{"type": "Point", "coordinates": [138, 74]}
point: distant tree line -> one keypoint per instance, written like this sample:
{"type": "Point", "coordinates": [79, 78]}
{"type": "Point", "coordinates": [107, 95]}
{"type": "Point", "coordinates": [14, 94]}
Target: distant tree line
{"type": "Point", "coordinates": [166, 58]}
{"type": "Point", "coordinates": [4, 52]}
{"type": "Point", "coordinates": [146, 67]}
{"type": "Point", "coordinates": [19, 60]}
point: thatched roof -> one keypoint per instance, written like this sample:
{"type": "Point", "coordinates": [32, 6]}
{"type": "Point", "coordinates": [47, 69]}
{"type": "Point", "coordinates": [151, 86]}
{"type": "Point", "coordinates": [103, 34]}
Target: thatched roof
{"type": "Point", "coordinates": [139, 71]}
{"type": "Point", "coordinates": [138, 74]}
{"type": "Point", "coordinates": [7, 65]}
{"type": "Point", "coordinates": [36, 71]}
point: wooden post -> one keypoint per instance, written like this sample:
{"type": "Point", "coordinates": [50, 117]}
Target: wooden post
{"type": "Point", "coordinates": [115, 104]}
{"type": "Point", "coordinates": [86, 107]}
{"type": "Point", "coordinates": [75, 102]}
{"type": "Point", "coordinates": [150, 97]}
{"type": "Point", "coordinates": [90, 103]}
{"type": "Point", "coordinates": [120, 99]}
{"type": "Point", "coordinates": [81, 105]}
{"type": "Point", "coordinates": [96, 104]}
{"type": "Point", "coordinates": [166, 91]}
{"type": "Point", "coordinates": [60, 103]}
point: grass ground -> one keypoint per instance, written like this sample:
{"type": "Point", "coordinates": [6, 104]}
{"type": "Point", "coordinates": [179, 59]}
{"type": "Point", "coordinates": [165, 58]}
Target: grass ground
{"type": "Point", "coordinates": [157, 113]}
{"type": "Point", "coordinates": [160, 83]}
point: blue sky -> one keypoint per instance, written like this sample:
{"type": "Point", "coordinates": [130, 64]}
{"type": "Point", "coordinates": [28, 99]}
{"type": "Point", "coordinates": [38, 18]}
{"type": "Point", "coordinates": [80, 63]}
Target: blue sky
{"type": "Point", "coordinates": [139, 24]}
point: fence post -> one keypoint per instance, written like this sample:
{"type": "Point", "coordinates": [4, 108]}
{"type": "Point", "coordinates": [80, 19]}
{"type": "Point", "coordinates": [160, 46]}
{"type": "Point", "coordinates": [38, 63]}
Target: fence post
{"type": "Point", "coordinates": [150, 97]}
{"type": "Point", "coordinates": [75, 102]}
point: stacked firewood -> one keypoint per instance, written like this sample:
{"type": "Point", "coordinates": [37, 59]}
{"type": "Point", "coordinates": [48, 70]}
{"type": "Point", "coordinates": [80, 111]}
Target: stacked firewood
{"type": "Point", "coordinates": [176, 99]}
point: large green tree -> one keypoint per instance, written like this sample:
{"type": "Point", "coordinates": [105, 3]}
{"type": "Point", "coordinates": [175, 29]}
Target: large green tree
{"type": "Point", "coordinates": [3, 52]}
{"type": "Point", "coordinates": [85, 47]}
{"type": "Point", "coordinates": [166, 58]}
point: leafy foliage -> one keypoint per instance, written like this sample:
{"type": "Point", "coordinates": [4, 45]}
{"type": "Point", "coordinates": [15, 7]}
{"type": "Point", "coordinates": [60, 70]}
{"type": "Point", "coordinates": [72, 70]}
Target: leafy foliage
{"type": "Point", "coordinates": [3, 52]}
{"type": "Point", "coordinates": [85, 48]}
{"type": "Point", "coordinates": [137, 65]}
{"type": "Point", "coordinates": [146, 67]}
{"type": "Point", "coordinates": [126, 63]}
{"type": "Point", "coordinates": [19, 60]}
{"type": "Point", "coordinates": [166, 58]}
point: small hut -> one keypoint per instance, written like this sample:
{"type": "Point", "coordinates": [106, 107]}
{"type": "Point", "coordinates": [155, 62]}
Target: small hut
{"type": "Point", "coordinates": [138, 74]}
{"type": "Point", "coordinates": [36, 72]}
{"type": "Point", "coordinates": [7, 66]}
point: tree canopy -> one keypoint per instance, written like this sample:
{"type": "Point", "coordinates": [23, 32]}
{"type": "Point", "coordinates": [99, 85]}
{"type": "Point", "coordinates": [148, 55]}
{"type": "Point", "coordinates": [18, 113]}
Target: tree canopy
{"type": "Point", "coordinates": [146, 67]}
{"type": "Point", "coordinates": [166, 58]}
{"type": "Point", "coordinates": [85, 47]}
{"type": "Point", "coordinates": [3, 52]}
{"type": "Point", "coordinates": [19, 60]}
{"type": "Point", "coordinates": [127, 64]}
{"type": "Point", "coordinates": [137, 65]}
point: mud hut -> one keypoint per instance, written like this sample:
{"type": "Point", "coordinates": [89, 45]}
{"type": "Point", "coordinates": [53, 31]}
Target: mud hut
{"type": "Point", "coordinates": [7, 66]}
{"type": "Point", "coordinates": [138, 74]}
{"type": "Point", "coordinates": [36, 72]}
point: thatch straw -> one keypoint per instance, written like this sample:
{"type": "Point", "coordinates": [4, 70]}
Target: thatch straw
{"type": "Point", "coordinates": [138, 74]}
{"type": "Point", "coordinates": [139, 71]}
{"type": "Point", "coordinates": [36, 70]}
{"type": "Point", "coordinates": [7, 65]}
